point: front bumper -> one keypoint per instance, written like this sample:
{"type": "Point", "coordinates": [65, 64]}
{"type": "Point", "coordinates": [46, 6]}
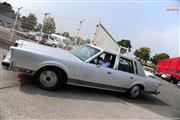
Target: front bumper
{"type": "Point", "coordinates": [157, 92]}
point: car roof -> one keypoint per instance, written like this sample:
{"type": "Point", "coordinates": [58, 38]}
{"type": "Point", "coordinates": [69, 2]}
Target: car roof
{"type": "Point", "coordinates": [112, 52]}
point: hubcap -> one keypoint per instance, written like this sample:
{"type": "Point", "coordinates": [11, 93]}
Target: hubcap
{"type": "Point", "coordinates": [48, 78]}
{"type": "Point", "coordinates": [135, 91]}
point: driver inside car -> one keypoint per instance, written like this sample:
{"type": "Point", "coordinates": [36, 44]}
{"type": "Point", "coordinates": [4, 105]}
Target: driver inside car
{"type": "Point", "coordinates": [104, 62]}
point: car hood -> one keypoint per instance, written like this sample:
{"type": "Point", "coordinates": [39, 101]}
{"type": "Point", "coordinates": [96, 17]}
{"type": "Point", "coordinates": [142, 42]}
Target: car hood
{"type": "Point", "coordinates": [47, 51]}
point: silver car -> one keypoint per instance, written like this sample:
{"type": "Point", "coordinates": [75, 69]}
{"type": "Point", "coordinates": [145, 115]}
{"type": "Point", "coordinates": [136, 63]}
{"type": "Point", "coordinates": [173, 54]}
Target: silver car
{"type": "Point", "coordinates": [54, 67]}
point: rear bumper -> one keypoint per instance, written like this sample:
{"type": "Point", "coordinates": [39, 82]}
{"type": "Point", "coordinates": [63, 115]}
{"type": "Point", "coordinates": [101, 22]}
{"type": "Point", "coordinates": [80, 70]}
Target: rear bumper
{"type": "Point", "coordinates": [5, 64]}
{"type": "Point", "coordinates": [8, 66]}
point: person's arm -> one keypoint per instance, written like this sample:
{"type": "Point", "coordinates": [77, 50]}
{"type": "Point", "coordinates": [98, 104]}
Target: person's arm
{"type": "Point", "coordinates": [106, 64]}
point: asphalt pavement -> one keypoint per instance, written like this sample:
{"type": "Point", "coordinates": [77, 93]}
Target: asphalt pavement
{"type": "Point", "coordinates": [20, 98]}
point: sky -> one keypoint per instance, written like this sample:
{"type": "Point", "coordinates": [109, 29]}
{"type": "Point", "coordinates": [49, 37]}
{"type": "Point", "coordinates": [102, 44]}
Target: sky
{"type": "Point", "coordinates": [150, 23]}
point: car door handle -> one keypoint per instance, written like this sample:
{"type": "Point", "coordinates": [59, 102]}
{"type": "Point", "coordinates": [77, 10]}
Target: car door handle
{"type": "Point", "coordinates": [109, 72]}
{"type": "Point", "coordinates": [131, 78]}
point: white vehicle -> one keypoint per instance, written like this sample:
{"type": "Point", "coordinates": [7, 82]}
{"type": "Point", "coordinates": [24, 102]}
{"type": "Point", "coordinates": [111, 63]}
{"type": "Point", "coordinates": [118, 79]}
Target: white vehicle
{"type": "Point", "coordinates": [55, 67]}
{"type": "Point", "coordinates": [57, 40]}
{"type": "Point", "coordinates": [48, 40]}
{"type": "Point", "coordinates": [166, 76]}
{"type": "Point", "coordinates": [149, 72]}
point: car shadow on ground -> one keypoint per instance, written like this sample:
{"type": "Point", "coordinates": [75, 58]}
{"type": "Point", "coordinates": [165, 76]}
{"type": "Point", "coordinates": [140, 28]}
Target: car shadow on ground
{"type": "Point", "coordinates": [146, 101]}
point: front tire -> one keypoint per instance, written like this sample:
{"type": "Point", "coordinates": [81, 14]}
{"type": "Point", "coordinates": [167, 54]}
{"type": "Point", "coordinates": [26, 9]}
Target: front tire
{"type": "Point", "coordinates": [134, 92]}
{"type": "Point", "coordinates": [50, 78]}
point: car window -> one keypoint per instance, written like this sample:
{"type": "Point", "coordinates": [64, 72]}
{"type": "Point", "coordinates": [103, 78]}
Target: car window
{"type": "Point", "coordinates": [85, 52]}
{"type": "Point", "coordinates": [105, 61]}
{"type": "Point", "coordinates": [125, 65]}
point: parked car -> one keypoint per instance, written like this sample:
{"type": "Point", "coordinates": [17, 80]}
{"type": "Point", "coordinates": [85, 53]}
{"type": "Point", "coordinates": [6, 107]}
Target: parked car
{"type": "Point", "coordinates": [48, 40]}
{"type": "Point", "coordinates": [54, 40]}
{"type": "Point", "coordinates": [178, 83]}
{"type": "Point", "coordinates": [149, 72]}
{"type": "Point", "coordinates": [166, 77]}
{"type": "Point", "coordinates": [174, 79]}
{"type": "Point", "coordinates": [55, 67]}
{"type": "Point", "coordinates": [31, 35]}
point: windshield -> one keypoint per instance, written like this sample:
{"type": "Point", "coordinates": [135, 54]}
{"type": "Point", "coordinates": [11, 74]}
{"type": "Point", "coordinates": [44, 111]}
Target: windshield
{"type": "Point", "coordinates": [85, 52]}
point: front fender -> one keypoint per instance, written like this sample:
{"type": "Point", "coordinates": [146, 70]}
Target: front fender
{"type": "Point", "coordinates": [53, 63]}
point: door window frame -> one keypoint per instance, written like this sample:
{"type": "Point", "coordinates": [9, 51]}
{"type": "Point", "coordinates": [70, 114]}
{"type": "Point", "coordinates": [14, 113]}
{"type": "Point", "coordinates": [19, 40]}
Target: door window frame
{"type": "Point", "coordinates": [99, 54]}
{"type": "Point", "coordinates": [132, 65]}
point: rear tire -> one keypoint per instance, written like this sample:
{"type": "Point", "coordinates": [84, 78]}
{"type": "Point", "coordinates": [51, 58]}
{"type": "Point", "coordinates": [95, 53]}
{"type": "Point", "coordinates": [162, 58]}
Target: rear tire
{"type": "Point", "coordinates": [134, 92]}
{"type": "Point", "coordinates": [50, 78]}
{"type": "Point", "coordinates": [55, 46]}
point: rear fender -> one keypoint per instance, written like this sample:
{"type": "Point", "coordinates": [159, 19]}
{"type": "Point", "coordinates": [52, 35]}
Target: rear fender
{"type": "Point", "coordinates": [54, 63]}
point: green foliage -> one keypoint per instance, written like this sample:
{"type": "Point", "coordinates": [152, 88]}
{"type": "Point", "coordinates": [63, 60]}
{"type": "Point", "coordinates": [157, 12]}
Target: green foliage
{"type": "Point", "coordinates": [143, 54]}
{"type": "Point", "coordinates": [125, 43]}
{"type": "Point", "coordinates": [29, 22]}
{"type": "Point", "coordinates": [49, 25]}
{"type": "Point", "coordinates": [72, 38]}
{"type": "Point", "coordinates": [158, 57]}
{"type": "Point", "coordinates": [6, 10]}
{"type": "Point", "coordinates": [88, 41]}
{"type": "Point", "coordinates": [65, 34]}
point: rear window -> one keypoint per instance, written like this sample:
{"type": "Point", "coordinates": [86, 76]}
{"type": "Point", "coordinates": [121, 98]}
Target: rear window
{"type": "Point", "coordinates": [125, 65]}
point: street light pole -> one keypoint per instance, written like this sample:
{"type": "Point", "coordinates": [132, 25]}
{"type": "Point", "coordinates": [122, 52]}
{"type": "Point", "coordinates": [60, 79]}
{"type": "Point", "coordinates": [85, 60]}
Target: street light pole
{"type": "Point", "coordinates": [43, 21]}
{"type": "Point", "coordinates": [14, 27]}
{"type": "Point", "coordinates": [79, 27]}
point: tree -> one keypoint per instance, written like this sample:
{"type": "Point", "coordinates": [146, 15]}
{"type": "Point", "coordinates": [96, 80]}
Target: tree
{"type": "Point", "coordinates": [65, 34]}
{"type": "Point", "coordinates": [49, 25]}
{"type": "Point", "coordinates": [88, 40]}
{"type": "Point", "coordinates": [158, 57]}
{"type": "Point", "coordinates": [125, 43]}
{"type": "Point", "coordinates": [29, 22]}
{"type": "Point", "coordinates": [6, 10]}
{"type": "Point", "coordinates": [143, 54]}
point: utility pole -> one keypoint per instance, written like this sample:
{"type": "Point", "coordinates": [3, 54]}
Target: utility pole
{"type": "Point", "coordinates": [44, 21]}
{"type": "Point", "coordinates": [79, 27]}
{"type": "Point", "coordinates": [93, 42]}
{"type": "Point", "coordinates": [14, 27]}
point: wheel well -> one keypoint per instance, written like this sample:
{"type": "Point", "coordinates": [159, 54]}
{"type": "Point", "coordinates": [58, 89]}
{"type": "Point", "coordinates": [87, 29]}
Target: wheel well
{"type": "Point", "coordinates": [51, 66]}
{"type": "Point", "coordinates": [140, 85]}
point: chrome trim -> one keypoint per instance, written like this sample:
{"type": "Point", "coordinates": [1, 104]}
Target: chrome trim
{"type": "Point", "coordinates": [96, 85]}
